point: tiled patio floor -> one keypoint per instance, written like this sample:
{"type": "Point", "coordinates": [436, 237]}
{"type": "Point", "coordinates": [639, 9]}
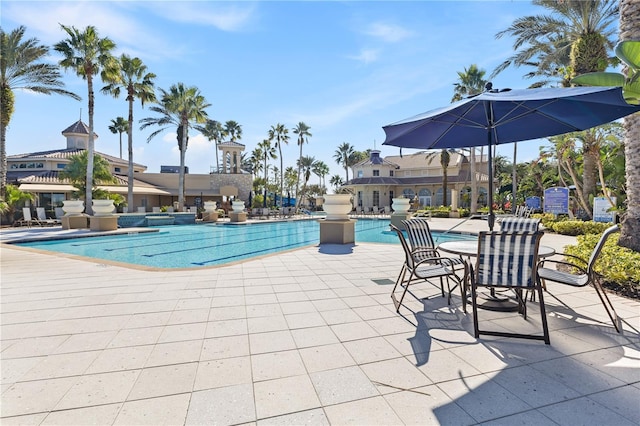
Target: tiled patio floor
{"type": "Point", "coordinates": [304, 337]}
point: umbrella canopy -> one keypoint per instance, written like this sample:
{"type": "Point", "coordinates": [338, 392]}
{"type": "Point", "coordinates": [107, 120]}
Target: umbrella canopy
{"type": "Point", "coordinates": [498, 117]}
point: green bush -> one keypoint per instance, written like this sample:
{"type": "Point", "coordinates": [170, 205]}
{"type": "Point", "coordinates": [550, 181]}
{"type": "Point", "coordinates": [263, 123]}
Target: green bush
{"type": "Point", "coordinates": [578, 227]}
{"type": "Point", "coordinates": [617, 264]}
{"type": "Point", "coordinates": [464, 212]}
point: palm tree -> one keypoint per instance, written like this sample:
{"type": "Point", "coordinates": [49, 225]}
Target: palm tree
{"type": "Point", "coordinates": [87, 54]}
{"type": "Point", "coordinates": [321, 169]}
{"type": "Point", "coordinates": [575, 38]}
{"type": "Point", "coordinates": [343, 156]}
{"type": "Point", "coordinates": [233, 130]}
{"type": "Point", "coordinates": [182, 107]}
{"type": "Point", "coordinates": [118, 126]}
{"type": "Point", "coordinates": [471, 82]}
{"type": "Point", "coordinates": [630, 233]}
{"type": "Point", "coordinates": [268, 152]}
{"type": "Point", "coordinates": [256, 161]}
{"type": "Point", "coordinates": [131, 76]}
{"type": "Point", "coordinates": [21, 67]}
{"type": "Point", "coordinates": [336, 182]}
{"type": "Point", "coordinates": [306, 165]}
{"type": "Point", "coordinates": [13, 198]}
{"type": "Point", "coordinates": [214, 131]}
{"type": "Point", "coordinates": [280, 134]}
{"type": "Point", "coordinates": [302, 130]}
{"type": "Point", "coordinates": [74, 172]}
{"type": "Point", "coordinates": [445, 158]}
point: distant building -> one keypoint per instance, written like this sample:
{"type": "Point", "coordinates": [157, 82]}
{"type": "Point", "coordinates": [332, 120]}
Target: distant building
{"type": "Point", "coordinates": [37, 172]}
{"type": "Point", "coordinates": [376, 180]}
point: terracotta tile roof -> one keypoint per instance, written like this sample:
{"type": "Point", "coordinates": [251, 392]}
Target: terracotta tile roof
{"type": "Point", "coordinates": [65, 154]}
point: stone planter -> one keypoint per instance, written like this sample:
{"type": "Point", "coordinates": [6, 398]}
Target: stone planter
{"type": "Point", "coordinates": [73, 207]}
{"type": "Point", "coordinates": [337, 206]}
{"type": "Point", "coordinates": [401, 205]}
{"type": "Point", "coordinates": [210, 213]}
{"type": "Point", "coordinates": [102, 207]}
{"type": "Point", "coordinates": [238, 206]}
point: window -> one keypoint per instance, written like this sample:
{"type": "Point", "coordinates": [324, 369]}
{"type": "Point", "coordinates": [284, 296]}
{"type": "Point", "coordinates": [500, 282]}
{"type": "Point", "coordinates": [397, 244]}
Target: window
{"type": "Point", "coordinates": [60, 166]}
{"type": "Point", "coordinates": [360, 198]}
{"type": "Point", "coordinates": [376, 198]}
{"type": "Point", "coordinates": [376, 172]}
{"type": "Point", "coordinates": [117, 169]}
{"type": "Point", "coordinates": [408, 193]}
{"type": "Point", "coordinates": [391, 173]}
{"type": "Point", "coordinates": [360, 173]}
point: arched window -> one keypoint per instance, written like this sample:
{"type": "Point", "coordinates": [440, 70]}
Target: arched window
{"type": "Point", "coordinates": [408, 193]}
{"type": "Point", "coordinates": [424, 197]}
{"type": "Point", "coordinates": [439, 199]}
{"type": "Point", "coordinates": [465, 197]}
{"type": "Point", "coordinates": [483, 200]}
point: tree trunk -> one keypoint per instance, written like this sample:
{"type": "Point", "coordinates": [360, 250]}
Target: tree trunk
{"type": "Point", "coordinates": [90, 150]}
{"type": "Point", "coordinates": [474, 182]}
{"type": "Point", "coordinates": [630, 234]}
{"type": "Point", "coordinates": [130, 147]}
{"type": "Point", "coordinates": [298, 177]}
{"type": "Point", "coordinates": [181, 175]}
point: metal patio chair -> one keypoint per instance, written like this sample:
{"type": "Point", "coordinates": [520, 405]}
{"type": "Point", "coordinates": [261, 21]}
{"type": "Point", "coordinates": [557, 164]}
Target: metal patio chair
{"type": "Point", "coordinates": [508, 260]}
{"type": "Point", "coordinates": [518, 224]}
{"type": "Point", "coordinates": [582, 273]}
{"type": "Point", "coordinates": [425, 265]}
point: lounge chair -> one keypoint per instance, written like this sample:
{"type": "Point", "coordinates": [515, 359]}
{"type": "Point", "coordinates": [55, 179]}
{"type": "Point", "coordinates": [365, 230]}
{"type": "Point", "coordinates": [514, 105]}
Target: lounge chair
{"type": "Point", "coordinates": [585, 274]}
{"type": "Point", "coordinates": [42, 218]}
{"type": "Point", "coordinates": [27, 219]}
{"type": "Point", "coordinates": [59, 213]}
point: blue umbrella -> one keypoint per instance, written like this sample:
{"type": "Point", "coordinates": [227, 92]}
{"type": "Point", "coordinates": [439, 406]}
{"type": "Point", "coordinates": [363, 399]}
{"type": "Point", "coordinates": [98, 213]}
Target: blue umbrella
{"type": "Point", "coordinates": [497, 117]}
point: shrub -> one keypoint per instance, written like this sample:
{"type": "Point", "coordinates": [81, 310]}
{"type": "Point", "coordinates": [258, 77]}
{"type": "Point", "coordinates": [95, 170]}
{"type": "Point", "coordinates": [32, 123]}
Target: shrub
{"type": "Point", "coordinates": [464, 212]}
{"type": "Point", "coordinates": [578, 227]}
{"type": "Point", "coordinates": [616, 264]}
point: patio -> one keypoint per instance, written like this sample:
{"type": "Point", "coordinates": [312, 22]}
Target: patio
{"type": "Point", "coordinates": [305, 337]}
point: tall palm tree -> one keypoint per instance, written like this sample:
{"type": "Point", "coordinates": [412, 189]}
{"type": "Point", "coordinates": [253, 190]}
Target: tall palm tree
{"type": "Point", "coordinates": [471, 82]}
{"type": "Point", "coordinates": [182, 107]}
{"type": "Point", "coordinates": [343, 156]}
{"type": "Point", "coordinates": [302, 130]}
{"type": "Point", "coordinates": [256, 161]}
{"type": "Point", "coordinates": [22, 67]}
{"type": "Point", "coordinates": [87, 54]}
{"type": "Point", "coordinates": [130, 76]}
{"type": "Point", "coordinates": [119, 126]}
{"type": "Point", "coordinates": [573, 39]}
{"type": "Point", "coordinates": [321, 169]}
{"type": "Point", "coordinates": [233, 130]}
{"type": "Point", "coordinates": [306, 165]}
{"type": "Point", "coordinates": [290, 180]}
{"type": "Point", "coordinates": [268, 152]}
{"type": "Point", "coordinates": [444, 156]}
{"type": "Point", "coordinates": [630, 233]}
{"type": "Point", "coordinates": [214, 131]}
{"type": "Point", "coordinates": [280, 134]}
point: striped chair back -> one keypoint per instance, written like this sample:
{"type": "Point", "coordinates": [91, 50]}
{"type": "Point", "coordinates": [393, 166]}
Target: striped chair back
{"type": "Point", "coordinates": [419, 233]}
{"type": "Point", "coordinates": [409, 260]}
{"type": "Point", "coordinates": [507, 259]}
{"type": "Point", "coordinates": [519, 224]}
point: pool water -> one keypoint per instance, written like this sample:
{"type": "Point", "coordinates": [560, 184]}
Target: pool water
{"type": "Point", "coordinates": [192, 246]}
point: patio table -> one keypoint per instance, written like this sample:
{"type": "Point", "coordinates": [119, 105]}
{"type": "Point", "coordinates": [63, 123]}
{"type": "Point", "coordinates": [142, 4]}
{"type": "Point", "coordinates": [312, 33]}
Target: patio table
{"type": "Point", "coordinates": [492, 301]}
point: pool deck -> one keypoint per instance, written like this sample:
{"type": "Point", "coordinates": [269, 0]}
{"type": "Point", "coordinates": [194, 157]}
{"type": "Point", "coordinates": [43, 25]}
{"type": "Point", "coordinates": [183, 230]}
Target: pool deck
{"type": "Point", "coordinates": [305, 337]}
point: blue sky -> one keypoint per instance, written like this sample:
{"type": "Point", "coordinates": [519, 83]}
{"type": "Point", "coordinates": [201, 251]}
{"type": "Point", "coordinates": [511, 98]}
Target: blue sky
{"type": "Point", "coordinates": [344, 68]}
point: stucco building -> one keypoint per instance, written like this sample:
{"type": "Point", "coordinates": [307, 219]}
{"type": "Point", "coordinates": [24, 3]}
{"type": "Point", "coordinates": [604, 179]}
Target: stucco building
{"type": "Point", "coordinates": [376, 181]}
{"type": "Point", "coordinates": [37, 172]}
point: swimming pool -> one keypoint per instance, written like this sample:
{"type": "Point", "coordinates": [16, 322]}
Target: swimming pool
{"type": "Point", "coordinates": [193, 246]}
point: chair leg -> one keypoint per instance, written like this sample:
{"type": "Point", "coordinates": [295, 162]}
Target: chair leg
{"type": "Point", "coordinates": [476, 329]}
{"type": "Point", "coordinates": [400, 280]}
{"type": "Point", "coordinates": [543, 314]}
{"type": "Point", "coordinates": [608, 306]}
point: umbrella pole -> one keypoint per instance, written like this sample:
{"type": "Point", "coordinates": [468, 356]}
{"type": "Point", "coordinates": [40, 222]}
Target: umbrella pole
{"type": "Point", "coordinates": [491, 218]}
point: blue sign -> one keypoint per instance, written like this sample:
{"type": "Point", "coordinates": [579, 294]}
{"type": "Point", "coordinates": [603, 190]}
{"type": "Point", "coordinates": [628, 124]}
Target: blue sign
{"type": "Point", "coordinates": [533, 203]}
{"type": "Point", "coordinates": [556, 200]}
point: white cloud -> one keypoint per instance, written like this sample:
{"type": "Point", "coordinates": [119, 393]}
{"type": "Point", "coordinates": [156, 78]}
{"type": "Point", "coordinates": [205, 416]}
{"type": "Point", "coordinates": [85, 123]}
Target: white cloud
{"type": "Point", "coordinates": [367, 56]}
{"type": "Point", "coordinates": [387, 32]}
{"type": "Point", "coordinates": [223, 16]}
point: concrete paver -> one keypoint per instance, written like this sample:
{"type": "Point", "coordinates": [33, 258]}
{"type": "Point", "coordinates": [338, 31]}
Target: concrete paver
{"type": "Point", "coordinates": [309, 335]}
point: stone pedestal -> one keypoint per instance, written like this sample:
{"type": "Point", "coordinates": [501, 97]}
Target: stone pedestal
{"type": "Point", "coordinates": [75, 222]}
{"type": "Point", "coordinates": [209, 216]}
{"type": "Point", "coordinates": [397, 218]}
{"type": "Point", "coordinates": [103, 223]}
{"type": "Point", "coordinates": [337, 231]}
{"type": "Point", "coordinates": [238, 217]}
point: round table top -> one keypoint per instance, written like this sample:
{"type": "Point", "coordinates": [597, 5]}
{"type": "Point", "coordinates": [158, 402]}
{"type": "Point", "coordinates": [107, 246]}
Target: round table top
{"type": "Point", "coordinates": [470, 248]}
